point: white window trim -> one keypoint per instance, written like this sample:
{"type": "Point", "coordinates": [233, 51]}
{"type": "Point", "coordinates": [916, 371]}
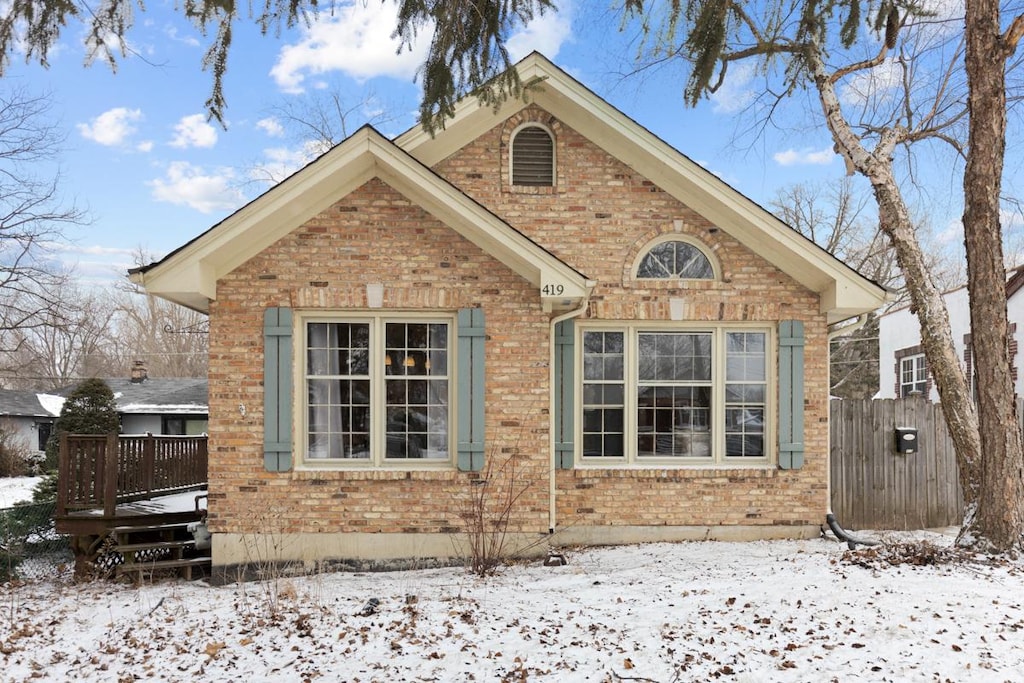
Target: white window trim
{"type": "Point", "coordinates": [378, 409]}
{"type": "Point", "coordinates": [716, 268]}
{"type": "Point", "coordinates": [914, 368]}
{"type": "Point", "coordinates": [631, 330]}
{"type": "Point", "coordinates": [511, 154]}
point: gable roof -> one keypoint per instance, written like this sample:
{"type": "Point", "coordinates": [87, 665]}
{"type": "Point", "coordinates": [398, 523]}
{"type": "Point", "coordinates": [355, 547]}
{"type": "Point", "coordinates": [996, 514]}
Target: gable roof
{"type": "Point", "coordinates": [160, 396]}
{"type": "Point", "coordinates": [843, 291]}
{"type": "Point", "coordinates": [20, 403]}
{"type": "Point", "coordinates": [189, 275]}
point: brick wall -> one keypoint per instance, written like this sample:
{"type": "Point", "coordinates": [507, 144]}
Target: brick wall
{"type": "Point", "coordinates": [598, 218]}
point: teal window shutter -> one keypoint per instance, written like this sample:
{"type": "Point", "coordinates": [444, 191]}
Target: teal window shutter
{"type": "Point", "coordinates": [277, 389]}
{"type": "Point", "coordinates": [791, 394]}
{"type": "Point", "coordinates": [471, 389]}
{"type": "Point", "coordinates": [565, 411]}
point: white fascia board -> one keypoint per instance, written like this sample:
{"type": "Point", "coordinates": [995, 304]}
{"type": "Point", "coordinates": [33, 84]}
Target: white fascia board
{"type": "Point", "coordinates": [842, 289]}
{"type": "Point", "coordinates": [190, 276]}
{"type": "Point", "coordinates": [844, 292]}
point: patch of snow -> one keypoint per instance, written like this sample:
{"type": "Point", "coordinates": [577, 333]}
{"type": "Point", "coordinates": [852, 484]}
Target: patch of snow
{"type": "Point", "coordinates": [162, 408]}
{"type": "Point", "coordinates": [50, 403]}
{"type": "Point", "coordinates": [15, 490]}
{"type": "Point", "coordinates": [765, 611]}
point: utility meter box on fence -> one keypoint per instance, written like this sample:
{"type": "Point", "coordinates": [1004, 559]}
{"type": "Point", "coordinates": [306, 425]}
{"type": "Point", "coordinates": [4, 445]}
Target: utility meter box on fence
{"type": "Point", "coordinates": [906, 440]}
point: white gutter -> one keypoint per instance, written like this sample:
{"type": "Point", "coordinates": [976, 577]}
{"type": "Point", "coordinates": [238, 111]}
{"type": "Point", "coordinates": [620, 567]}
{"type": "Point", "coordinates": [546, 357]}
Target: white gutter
{"type": "Point", "coordinates": [834, 331]}
{"type": "Point", "coordinates": [575, 313]}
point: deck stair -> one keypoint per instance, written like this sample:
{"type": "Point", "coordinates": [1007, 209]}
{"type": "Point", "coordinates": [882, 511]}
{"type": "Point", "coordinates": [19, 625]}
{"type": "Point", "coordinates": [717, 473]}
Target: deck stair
{"type": "Point", "coordinates": [140, 550]}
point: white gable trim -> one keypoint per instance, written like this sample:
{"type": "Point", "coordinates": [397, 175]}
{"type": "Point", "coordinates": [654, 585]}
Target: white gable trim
{"type": "Point", "coordinates": [843, 292]}
{"type": "Point", "coordinates": [189, 276]}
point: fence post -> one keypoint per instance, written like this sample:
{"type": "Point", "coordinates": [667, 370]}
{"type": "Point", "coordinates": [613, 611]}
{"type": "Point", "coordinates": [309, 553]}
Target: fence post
{"type": "Point", "coordinates": [110, 462]}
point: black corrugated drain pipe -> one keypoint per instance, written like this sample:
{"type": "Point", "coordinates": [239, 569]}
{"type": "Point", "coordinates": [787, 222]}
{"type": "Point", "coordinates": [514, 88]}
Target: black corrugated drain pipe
{"type": "Point", "coordinates": [843, 535]}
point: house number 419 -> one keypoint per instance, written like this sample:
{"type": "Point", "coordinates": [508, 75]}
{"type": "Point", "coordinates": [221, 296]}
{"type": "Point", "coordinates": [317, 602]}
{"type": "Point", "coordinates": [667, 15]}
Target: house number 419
{"type": "Point", "coordinates": [552, 290]}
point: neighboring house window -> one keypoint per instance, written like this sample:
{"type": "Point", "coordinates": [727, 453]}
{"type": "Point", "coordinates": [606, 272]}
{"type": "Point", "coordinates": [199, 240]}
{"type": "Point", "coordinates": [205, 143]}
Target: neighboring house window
{"type": "Point", "coordinates": [43, 430]}
{"type": "Point", "coordinates": [913, 375]}
{"type": "Point", "coordinates": [185, 426]}
{"type": "Point", "coordinates": [377, 390]}
{"type": "Point", "coordinates": [675, 259]}
{"type": "Point", "coordinates": [533, 157]}
{"type": "Point", "coordinates": [686, 395]}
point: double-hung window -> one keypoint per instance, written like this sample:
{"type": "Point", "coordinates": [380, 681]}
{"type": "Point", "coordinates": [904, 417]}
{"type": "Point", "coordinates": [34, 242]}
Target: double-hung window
{"type": "Point", "coordinates": [913, 375]}
{"type": "Point", "coordinates": [674, 395]}
{"type": "Point", "coordinates": [377, 390]}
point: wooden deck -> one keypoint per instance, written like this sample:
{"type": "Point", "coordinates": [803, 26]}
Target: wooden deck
{"type": "Point", "coordinates": [111, 481]}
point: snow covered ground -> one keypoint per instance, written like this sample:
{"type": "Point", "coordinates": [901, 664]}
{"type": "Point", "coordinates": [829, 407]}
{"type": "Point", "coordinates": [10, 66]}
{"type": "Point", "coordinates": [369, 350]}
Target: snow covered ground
{"type": "Point", "coordinates": [766, 611]}
{"type": "Point", "coordinates": [16, 489]}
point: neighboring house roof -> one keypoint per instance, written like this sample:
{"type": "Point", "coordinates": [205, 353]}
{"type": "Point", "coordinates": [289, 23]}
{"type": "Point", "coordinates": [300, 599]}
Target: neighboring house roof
{"type": "Point", "coordinates": [1014, 283]}
{"type": "Point", "coordinates": [188, 276]}
{"type": "Point", "coordinates": [163, 396]}
{"type": "Point", "coordinates": [19, 403]}
{"type": "Point", "coordinates": [157, 396]}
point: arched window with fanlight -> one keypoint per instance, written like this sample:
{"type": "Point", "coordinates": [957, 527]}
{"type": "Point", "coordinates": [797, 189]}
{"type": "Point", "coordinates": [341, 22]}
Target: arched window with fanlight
{"type": "Point", "coordinates": [533, 157]}
{"type": "Point", "coordinates": [675, 259]}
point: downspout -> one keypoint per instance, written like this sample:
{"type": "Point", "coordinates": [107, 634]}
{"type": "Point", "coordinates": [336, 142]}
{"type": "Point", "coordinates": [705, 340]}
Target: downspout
{"type": "Point", "coordinates": [830, 518]}
{"type": "Point", "coordinates": [574, 313]}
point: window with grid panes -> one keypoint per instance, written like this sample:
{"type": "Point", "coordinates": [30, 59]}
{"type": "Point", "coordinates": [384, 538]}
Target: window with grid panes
{"type": "Point", "coordinates": [377, 391]}
{"type": "Point", "coordinates": [674, 395]}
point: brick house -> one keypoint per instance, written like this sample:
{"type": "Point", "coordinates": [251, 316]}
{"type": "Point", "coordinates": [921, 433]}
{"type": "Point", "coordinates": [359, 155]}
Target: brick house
{"type": "Point", "coordinates": [546, 286]}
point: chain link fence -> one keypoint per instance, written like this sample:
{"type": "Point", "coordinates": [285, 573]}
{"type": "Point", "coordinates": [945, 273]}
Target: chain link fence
{"type": "Point", "coordinates": [30, 548]}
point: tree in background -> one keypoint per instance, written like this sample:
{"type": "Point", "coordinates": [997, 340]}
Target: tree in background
{"type": "Point", "coordinates": [70, 342]}
{"type": "Point", "coordinates": [836, 216]}
{"type": "Point", "coordinates": [31, 215]}
{"type": "Point", "coordinates": [314, 124]}
{"type": "Point", "coordinates": [89, 409]}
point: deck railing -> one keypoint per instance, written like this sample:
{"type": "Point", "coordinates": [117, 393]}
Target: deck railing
{"type": "Point", "coordinates": [144, 466]}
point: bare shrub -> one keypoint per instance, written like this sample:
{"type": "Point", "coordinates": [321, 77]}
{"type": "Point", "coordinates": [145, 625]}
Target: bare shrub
{"type": "Point", "coordinates": [487, 511]}
{"type": "Point", "coordinates": [15, 455]}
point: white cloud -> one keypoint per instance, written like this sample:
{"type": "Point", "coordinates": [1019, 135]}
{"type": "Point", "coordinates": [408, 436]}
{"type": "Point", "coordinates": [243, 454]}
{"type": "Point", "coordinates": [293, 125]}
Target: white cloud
{"type": "Point", "coordinates": [355, 40]}
{"type": "Point", "coordinates": [805, 157]}
{"type": "Point", "coordinates": [145, 146]}
{"type": "Point", "coordinates": [172, 33]}
{"type": "Point", "coordinates": [545, 34]}
{"type": "Point", "coordinates": [194, 131]}
{"type": "Point", "coordinates": [111, 128]}
{"type": "Point", "coordinates": [271, 127]}
{"type": "Point", "coordinates": [188, 185]}
{"type": "Point", "coordinates": [281, 162]}
{"type": "Point", "coordinates": [735, 92]}
{"type": "Point", "coordinates": [873, 84]}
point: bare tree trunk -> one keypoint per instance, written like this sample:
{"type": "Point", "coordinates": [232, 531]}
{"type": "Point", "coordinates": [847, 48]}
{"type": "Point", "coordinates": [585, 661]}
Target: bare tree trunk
{"type": "Point", "coordinates": [936, 337]}
{"type": "Point", "coordinates": [894, 220]}
{"type": "Point", "coordinates": [999, 521]}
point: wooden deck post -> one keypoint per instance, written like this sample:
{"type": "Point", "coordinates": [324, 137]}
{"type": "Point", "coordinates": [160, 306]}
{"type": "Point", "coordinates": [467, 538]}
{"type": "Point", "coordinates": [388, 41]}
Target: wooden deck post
{"type": "Point", "coordinates": [64, 481]}
{"type": "Point", "coordinates": [110, 456]}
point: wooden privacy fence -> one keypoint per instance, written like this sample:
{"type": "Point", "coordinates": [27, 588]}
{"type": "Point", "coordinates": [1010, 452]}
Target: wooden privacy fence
{"type": "Point", "coordinates": [873, 486]}
{"type": "Point", "coordinates": [144, 466]}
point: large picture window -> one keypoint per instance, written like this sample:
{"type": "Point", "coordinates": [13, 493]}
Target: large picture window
{"type": "Point", "coordinates": [677, 395]}
{"type": "Point", "coordinates": [377, 390]}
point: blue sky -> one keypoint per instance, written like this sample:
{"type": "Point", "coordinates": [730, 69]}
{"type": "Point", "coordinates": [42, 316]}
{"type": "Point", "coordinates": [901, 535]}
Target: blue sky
{"type": "Point", "coordinates": [154, 173]}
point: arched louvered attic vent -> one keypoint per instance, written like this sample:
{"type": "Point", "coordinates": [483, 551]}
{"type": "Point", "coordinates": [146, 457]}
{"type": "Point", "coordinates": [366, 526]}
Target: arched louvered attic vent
{"type": "Point", "coordinates": [533, 157]}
